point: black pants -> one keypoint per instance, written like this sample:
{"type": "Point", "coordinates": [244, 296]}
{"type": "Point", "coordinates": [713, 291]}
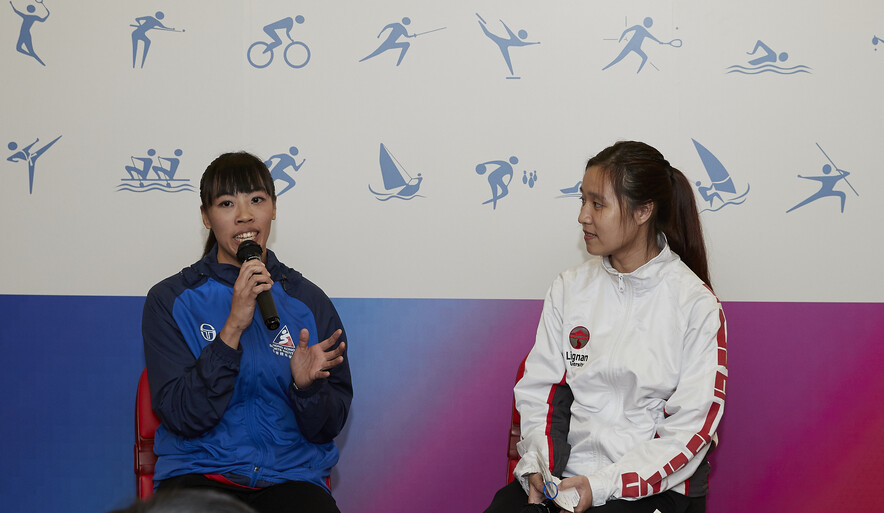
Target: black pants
{"type": "Point", "coordinates": [512, 498]}
{"type": "Point", "coordinates": [288, 497]}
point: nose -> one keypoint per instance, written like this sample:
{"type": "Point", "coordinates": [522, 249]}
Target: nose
{"type": "Point", "coordinates": [584, 217]}
{"type": "Point", "coordinates": [243, 213]}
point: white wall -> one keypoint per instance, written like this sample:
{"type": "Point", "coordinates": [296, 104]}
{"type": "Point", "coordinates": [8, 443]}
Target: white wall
{"type": "Point", "coordinates": [445, 109]}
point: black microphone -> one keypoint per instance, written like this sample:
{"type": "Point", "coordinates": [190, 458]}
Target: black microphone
{"type": "Point", "coordinates": [251, 250]}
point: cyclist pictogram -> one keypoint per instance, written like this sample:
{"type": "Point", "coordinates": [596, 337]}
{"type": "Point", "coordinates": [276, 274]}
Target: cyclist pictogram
{"type": "Point", "coordinates": [296, 54]}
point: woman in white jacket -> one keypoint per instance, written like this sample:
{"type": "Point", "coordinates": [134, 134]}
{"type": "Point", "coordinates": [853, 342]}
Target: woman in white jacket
{"type": "Point", "coordinates": [625, 385]}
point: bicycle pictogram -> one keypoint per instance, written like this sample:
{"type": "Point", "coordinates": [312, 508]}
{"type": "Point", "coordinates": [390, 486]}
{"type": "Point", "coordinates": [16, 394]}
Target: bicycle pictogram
{"type": "Point", "coordinates": [296, 54]}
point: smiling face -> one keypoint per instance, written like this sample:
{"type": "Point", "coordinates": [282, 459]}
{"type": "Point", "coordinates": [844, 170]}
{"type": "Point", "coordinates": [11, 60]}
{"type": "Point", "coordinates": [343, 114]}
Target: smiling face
{"type": "Point", "coordinates": [234, 218]}
{"type": "Point", "coordinates": [609, 229]}
{"type": "Point", "coordinates": [238, 203]}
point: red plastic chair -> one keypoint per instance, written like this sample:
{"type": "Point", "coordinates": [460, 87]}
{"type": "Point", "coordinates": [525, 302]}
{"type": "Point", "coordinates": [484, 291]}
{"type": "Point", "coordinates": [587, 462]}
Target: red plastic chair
{"type": "Point", "coordinates": [515, 431]}
{"type": "Point", "coordinates": [146, 422]}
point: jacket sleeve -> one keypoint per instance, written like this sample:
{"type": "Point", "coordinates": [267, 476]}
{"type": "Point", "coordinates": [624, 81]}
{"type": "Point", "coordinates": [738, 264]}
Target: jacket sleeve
{"type": "Point", "coordinates": [322, 408]}
{"type": "Point", "coordinates": [691, 416]}
{"type": "Point", "coordinates": [189, 393]}
{"type": "Point", "coordinates": [542, 396]}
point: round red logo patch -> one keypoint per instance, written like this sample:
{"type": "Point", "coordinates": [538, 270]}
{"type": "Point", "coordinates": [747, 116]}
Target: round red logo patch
{"type": "Point", "coordinates": [579, 337]}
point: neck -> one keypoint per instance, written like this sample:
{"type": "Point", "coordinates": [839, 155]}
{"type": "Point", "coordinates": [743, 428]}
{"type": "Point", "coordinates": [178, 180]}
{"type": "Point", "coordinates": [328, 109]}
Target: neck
{"type": "Point", "coordinates": [635, 256]}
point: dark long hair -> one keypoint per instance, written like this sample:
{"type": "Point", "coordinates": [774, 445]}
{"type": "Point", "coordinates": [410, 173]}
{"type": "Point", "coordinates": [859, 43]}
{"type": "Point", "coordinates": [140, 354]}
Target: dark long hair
{"type": "Point", "coordinates": [233, 173]}
{"type": "Point", "coordinates": [639, 174]}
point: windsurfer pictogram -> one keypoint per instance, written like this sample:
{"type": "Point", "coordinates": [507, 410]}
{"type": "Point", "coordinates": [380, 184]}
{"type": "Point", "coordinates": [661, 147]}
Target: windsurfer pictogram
{"type": "Point", "coordinates": [722, 187]}
{"type": "Point", "coordinates": [397, 182]}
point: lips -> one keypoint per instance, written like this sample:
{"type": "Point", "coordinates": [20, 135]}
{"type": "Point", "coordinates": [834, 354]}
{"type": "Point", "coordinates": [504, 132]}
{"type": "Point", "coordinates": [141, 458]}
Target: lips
{"type": "Point", "coordinates": [589, 236]}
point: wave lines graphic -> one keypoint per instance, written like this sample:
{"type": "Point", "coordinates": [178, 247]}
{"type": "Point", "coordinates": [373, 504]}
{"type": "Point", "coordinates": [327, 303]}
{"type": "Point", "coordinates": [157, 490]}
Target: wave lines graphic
{"type": "Point", "coordinates": [768, 68]}
{"type": "Point", "coordinates": [726, 203]}
{"type": "Point", "coordinates": [737, 200]}
{"type": "Point", "coordinates": [155, 187]}
{"type": "Point", "coordinates": [403, 198]}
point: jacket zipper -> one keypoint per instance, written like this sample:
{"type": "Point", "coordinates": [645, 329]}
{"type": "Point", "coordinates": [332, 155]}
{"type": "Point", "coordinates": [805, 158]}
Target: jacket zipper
{"type": "Point", "coordinates": [627, 314]}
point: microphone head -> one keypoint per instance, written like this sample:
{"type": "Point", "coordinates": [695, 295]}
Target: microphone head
{"type": "Point", "coordinates": [248, 250]}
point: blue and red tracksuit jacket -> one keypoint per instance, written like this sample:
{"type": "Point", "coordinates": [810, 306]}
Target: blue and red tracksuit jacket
{"type": "Point", "coordinates": [236, 411]}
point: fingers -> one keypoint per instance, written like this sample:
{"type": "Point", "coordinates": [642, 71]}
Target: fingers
{"type": "Point", "coordinates": [535, 490]}
{"type": "Point", "coordinates": [581, 483]}
{"type": "Point", "coordinates": [336, 358]}
{"type": "Point", "coordinates": [303, 338]}
{"type": "Point", "coordinates": [253, 278]}
{"type": "Point", "coordinates": [330, 341]}
{"type": "Point", "coordinates": [323, 347]}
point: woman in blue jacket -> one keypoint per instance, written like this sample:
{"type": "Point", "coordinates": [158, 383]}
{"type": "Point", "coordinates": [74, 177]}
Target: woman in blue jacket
{"type": "Point", "coordinates": [246, 410]}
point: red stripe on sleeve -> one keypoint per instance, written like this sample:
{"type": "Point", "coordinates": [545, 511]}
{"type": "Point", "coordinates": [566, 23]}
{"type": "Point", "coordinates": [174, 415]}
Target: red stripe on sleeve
{"type": "Point", "coordinates": [630, 485]}
{"type": "Point", "coordinates": [722, 340]}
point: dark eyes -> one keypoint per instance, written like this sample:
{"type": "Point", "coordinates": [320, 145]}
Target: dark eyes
{"type": "Point", "coordinates": [254, 199]}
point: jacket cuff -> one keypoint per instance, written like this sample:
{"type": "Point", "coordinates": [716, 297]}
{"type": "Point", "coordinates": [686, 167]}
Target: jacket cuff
{"type": "Point", "coordinates": [599, 495]}
{"type": "Point", "coordinates": [527, 465]}
{"type": "Point", "coordinates": [227, 354]}
{"type": "Point", "coordinates": [305, 392]}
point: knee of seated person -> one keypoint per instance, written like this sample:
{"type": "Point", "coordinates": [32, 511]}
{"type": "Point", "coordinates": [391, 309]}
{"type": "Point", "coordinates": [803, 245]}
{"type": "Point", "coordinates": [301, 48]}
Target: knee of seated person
{"type": "Point", "coordinates": [189, 501]}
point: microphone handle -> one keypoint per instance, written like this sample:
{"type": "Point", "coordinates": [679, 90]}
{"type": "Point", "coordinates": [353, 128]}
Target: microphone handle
{"type": "Point", "coordinates": [268, 310]}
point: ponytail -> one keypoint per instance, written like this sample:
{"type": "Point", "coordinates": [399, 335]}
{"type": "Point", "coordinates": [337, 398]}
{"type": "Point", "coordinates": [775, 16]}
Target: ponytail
{"type": "Point", "coordinates": [683, 229]}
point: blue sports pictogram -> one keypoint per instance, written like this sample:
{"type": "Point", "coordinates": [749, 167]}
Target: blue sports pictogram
{"type": "Point", "coordinates": [875, 41]}
{"type": "Point", "coordinates": [397, 182]}
{"type": "Point", "coordinates": [529, 179]}
{"type": "Point", "coordinates": [828, 181]}
{"type": "Point", "coordinates": [504, 43]}
{"type": "Point", "coordinates": [392, 42]}
{"type": "Point", "coordinates": [277, 164]}
{"type": "Point", "coordinates": [765, 61]}
{"type": "Point", "coordinates": [25, 155]}
{"type": "Point", "coordinates": [25, 43]}
{"type": "Point", "coordinates": [571, 192]}
{"type": "Point", "coordinates": [499, 180]}
{"type": "Point", "coordinates": [142, 25]}
{"type": "Point", "coordinates": [296, 54]}
{"type": "Point", "coordinates": [722, 187]}
{"type": "Point", "coordinates": [500, 177]}
{"type": "Point", "coordinates": [164, 169]}
{"type": "Point", "coordinates": [634, 43]}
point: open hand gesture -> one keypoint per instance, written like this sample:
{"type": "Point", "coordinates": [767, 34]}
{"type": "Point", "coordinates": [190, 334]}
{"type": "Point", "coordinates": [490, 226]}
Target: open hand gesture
{"type": "Point", "coordinates": [314, 362]}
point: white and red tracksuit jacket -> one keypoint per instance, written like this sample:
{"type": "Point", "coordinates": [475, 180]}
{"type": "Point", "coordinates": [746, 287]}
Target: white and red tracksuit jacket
{"type": "Point", "coordinates": [625, 383]}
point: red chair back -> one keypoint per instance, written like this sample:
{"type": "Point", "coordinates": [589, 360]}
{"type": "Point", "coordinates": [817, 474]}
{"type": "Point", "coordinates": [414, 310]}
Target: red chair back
{"type": "Point", "coordinates": [515, 431]}
{"type": "Point", "coordinates": [146, 423]}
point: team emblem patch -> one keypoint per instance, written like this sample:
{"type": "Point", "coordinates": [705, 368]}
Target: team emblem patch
{"type": "Point", "coordinates": [207, 331]}
{"type": "Point", "coordinates": [283, 344]}
{"type": "Point", "coordinates": [579, 337]}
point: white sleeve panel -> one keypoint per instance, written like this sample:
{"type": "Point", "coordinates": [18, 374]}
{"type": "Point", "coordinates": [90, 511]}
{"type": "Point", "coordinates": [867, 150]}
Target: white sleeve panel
{"type": "Point", "coordinates": [544, 372]}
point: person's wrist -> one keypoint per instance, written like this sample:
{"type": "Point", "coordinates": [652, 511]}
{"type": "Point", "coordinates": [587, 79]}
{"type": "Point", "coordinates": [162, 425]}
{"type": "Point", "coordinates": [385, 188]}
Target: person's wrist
{"type": "Point", "coordinates": [302, 386]}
